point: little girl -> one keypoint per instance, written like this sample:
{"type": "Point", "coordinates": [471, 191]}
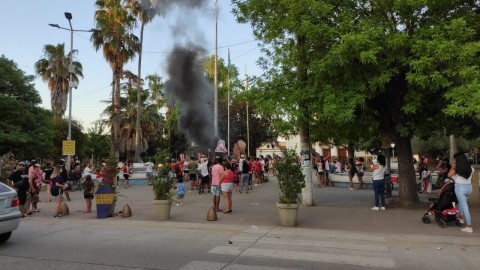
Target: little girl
{"type": "Point", "coordinates": [88, 189]}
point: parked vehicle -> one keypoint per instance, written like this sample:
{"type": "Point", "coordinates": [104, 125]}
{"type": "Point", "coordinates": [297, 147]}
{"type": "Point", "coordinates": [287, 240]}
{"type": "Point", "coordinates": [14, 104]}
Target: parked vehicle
{"type": "Point", "coordinates": [10, 215]}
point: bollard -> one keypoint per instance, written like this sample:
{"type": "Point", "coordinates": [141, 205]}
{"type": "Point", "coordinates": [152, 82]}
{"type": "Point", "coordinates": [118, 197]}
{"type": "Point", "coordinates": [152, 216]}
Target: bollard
{"type": "Point", "coordinates": [126, 211]}
{"type": "Point", "coordinates": [64, 209]}
{"type": "Point", "coordinates": [212, 214]}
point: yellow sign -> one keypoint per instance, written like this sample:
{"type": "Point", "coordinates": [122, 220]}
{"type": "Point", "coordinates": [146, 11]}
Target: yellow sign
{"type": "Point", "coordinates": [104, 198]}
{"type": "Point", "coordinates": [68, 148]}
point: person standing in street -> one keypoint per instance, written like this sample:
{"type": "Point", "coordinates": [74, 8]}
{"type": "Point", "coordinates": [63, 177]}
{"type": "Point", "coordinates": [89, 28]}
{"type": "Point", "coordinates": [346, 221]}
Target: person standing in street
{"type": "Point", "coordinates": [88, 191]}
{"type": "Point", "coordinates": [126, 174]}
{"type": "Point", "coordinates": [379, 182]}
{"type": "Point", "coordinates": [149, 172]}
{"type": "Point", "coordinates": [226, 184]}
{"type": "Point", "coordinates": [47, 172]}
{"type": "Point", "coordinates": [462, 173]}
{"type": "Point", "coordinates": [205, 176]}
{"type": "Point", "coordinates": [19, 181]}
{"type": "Point", "coordinates": [57, 189]}
{"type": "Point", "coordinates": [245, 168]}
{"type": "Point", "coordinates": [217, 170]}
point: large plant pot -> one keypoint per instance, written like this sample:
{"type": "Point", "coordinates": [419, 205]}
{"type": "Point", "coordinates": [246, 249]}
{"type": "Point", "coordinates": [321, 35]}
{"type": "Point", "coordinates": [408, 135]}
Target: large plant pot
{"type": "Point", "coordinates": [105, 200]}
{"type": "Point", "coordinates": [161, 209]}
{"type": "Point", "coordinates": [287, 213]}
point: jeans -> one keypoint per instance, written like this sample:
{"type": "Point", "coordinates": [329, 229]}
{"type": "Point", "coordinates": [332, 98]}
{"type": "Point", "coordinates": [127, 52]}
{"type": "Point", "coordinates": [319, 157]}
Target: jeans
{"type": "Point", "coordinates": [244, 181]}
{"type": "Point", "coordinates": [379, 189]}
{"type": "Point", "coordinates": [462, 191]}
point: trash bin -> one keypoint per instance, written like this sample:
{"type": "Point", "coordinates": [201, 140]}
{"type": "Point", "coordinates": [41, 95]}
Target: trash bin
{"type": "Point", "coordinates": [105, 200]}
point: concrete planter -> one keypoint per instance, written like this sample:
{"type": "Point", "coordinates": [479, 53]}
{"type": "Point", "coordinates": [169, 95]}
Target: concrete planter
{"type": "Point", "coordinates": [287, 214]}
{"type": "Point", "coordinates": [161, 209]}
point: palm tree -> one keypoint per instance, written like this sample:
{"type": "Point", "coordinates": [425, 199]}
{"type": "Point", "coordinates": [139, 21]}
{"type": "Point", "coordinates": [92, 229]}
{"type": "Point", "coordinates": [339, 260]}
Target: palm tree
{"type": "Point", "coordinates": [145, 12]}
{"type": "Point", "coordinates": [119, 44]}
{"type": "Point", "coordinates": [150, 119]}
{"type": "Point", "coordinates": [53, 69]}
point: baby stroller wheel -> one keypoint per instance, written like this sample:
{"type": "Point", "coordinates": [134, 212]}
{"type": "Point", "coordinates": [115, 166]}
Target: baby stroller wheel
{"type": "Point", "coordinates": [426, 219]}
{"type": "Point", "coordinates": [441, 224]}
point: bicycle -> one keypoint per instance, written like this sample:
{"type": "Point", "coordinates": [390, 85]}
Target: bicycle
{"type": "Point", "coordinates": [425, 182]}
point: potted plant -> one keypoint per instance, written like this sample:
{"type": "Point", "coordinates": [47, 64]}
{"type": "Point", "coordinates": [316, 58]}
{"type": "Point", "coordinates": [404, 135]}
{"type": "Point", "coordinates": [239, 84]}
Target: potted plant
{"type": "Point", "coordinates": [291, 181]}
{"type": "Point", "coordinates": [161, 184]}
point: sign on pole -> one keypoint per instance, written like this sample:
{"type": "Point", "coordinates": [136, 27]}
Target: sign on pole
{"type": "Point", "coordinates": [68, 148]}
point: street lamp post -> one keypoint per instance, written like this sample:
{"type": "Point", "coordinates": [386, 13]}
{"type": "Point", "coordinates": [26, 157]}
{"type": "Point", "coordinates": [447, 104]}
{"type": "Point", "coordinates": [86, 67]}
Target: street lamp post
{"type": "Point", "coordinates": [71, 70]}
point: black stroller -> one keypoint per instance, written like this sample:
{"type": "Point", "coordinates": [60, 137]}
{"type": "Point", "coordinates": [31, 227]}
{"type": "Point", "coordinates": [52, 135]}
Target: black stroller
{"type": "Point", "coordinates": [443, 207]}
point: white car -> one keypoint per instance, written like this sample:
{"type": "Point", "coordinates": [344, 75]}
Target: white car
{"type": "Point", "coordinates": [10, 215]}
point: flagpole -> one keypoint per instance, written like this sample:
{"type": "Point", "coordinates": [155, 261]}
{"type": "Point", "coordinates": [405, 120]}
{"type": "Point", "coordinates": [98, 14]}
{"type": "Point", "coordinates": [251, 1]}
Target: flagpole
{"type": "Point", "coordinates": [248, 128]}
{"type": "Point", "coordinates": [228, 103]}
{"type": "Point", "coordinates": [215, 86]}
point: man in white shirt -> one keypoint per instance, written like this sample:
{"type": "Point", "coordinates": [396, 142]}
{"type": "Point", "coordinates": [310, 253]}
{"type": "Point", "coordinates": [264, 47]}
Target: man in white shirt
{"type": "Point", "coordinates": [203, 169]}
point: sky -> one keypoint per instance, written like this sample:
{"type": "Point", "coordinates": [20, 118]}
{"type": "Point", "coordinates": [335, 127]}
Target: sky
{"type": "Point", "coordinates": [26, 31]}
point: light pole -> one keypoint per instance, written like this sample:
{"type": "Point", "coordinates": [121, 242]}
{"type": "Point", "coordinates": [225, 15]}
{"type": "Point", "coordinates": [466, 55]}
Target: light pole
{"type": "Point", "coordinates": [71, 70]}
{"type": "Point", "coordinates": [393, 149]}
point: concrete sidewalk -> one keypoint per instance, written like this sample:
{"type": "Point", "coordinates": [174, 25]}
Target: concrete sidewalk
{"type": "Point", "coordinates": [336, 209]}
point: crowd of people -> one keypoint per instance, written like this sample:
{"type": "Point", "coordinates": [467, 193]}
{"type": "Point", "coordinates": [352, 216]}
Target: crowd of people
{"type": "Point", "coordinates": [221, 177]}
{"type": "Point", "coordinates": [30, 176]}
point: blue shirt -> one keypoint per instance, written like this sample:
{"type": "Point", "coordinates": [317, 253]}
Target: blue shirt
{"type": "Point", "coordinates": [181, 188]}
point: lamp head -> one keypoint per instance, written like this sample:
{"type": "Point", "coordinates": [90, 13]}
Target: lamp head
{"type": "Point", "coordinates": [68, 15]}
{"type": "Point", "coordinates": [53, 25]}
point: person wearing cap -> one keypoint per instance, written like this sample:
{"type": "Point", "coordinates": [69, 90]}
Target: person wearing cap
{"type": "Point", "coordinates": [35, 180]}
{"type": "Point", "coordinates": [18, 181]}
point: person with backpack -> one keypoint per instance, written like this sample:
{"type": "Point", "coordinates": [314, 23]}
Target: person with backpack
{"type": "Point", "coordinates": [178, 171]}
{"type": "Point", "coordinates": [245, 169]}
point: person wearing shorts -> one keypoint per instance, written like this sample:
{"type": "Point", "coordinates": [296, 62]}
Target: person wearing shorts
{"type": "Point", "coordinates": [217, 170]}
{"type": "Point", "coordinates": [226, 184]}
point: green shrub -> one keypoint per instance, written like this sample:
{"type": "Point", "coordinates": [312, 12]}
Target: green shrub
{"type": "Point", "coordinates": [290, 177]}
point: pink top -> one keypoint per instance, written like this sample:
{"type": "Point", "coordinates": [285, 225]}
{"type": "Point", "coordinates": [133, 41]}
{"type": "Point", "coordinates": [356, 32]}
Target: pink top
{"type": "Point", "coordinates": [228, 178]}
{"type": "Point", "coordinates": [217, 170]}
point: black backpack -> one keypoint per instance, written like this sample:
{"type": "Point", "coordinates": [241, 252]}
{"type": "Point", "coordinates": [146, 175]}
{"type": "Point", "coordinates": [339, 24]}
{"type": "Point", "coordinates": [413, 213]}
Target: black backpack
{"type": "Point", "coordinates": [245, 167]}
{"type": "Point", "coordinates": [176, 169]}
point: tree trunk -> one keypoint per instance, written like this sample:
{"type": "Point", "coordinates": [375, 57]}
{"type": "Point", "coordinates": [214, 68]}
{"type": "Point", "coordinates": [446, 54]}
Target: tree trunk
{"type": "Point", "coordinates": [453, 147]}
{"type": "Point", "coordinates": [407, 194]}
{"type": "Point", "coordinates": [138, 130]}
{"type": "Point", "coordinates": [351, 149]}
{"type": "Point", "coordinates": [116, 112]}
{"type": "Point", "coordinates": [305, 142]}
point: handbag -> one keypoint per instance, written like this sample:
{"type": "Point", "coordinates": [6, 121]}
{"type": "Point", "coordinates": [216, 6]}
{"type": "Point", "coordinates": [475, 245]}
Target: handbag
{"type": "Point", "coordinates": [18, 184]}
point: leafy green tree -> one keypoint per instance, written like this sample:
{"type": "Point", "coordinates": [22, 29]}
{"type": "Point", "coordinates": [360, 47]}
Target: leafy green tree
{"type": "Point", "coordinates": [119, 45]}
{"type": "Point", "coordinates": [26, 130]}
{"type": "Point", "coordinates": [98, 140]}
{"type": "Point", "coordinates": [397, 62]}
{"type": "Point", "coordinates": [53, 69]}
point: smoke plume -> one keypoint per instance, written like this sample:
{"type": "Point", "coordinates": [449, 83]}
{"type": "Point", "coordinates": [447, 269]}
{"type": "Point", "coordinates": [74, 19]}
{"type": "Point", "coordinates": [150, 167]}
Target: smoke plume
{"type": "Point", "coordinates": [186, 84]}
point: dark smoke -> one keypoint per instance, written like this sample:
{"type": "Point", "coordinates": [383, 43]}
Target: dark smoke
{"type": "Point", "coordinates": [186, 84]}
{"type": "Point", "coordinates": [187, 87]}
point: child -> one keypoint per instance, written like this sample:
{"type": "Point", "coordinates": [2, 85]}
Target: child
{"type": "Point", "coordinates": [88, 189]}
{"type": "Point", "coordinates": [180, 191]}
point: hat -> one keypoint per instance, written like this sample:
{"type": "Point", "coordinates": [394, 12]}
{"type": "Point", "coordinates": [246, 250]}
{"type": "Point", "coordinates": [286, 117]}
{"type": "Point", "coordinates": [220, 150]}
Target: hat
{"type": "Point", "coordinates": [21, 163]}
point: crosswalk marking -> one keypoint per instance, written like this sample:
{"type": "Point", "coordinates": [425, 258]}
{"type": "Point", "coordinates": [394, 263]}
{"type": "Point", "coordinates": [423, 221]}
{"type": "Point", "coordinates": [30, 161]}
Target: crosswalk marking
{"type": "Point", "coordinates": [345, 248]}
{"type": "Point", "coordinates": [205, 265]}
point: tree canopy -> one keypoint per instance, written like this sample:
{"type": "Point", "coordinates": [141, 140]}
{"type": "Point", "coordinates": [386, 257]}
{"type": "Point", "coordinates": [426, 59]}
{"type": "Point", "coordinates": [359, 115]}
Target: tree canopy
{"type": "Point", "coordinates": [398, 66]}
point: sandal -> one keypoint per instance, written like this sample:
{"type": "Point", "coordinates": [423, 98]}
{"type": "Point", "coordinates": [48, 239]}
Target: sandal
{"type": "Point", "coordinates": [227, 212]}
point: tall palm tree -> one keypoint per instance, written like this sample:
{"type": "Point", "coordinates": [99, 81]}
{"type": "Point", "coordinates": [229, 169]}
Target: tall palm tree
{"type": "Point", "coordinates": [53, 69]}
{"type": "Point", "coordinates": [119, 44]}
{"type": "Point", "coordinates": [150, 119]}
{"type": "Point", "coordinates": [145, 12]}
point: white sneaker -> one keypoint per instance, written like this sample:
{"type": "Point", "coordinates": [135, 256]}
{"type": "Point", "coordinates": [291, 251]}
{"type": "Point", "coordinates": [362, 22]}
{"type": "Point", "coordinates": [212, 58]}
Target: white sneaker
{"type": "Point", "coordinates": [375, 208]}
{"type": "Point", "coordinates": [382, 208]}
{"type": "Point", "coordinates": [177, 204]}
